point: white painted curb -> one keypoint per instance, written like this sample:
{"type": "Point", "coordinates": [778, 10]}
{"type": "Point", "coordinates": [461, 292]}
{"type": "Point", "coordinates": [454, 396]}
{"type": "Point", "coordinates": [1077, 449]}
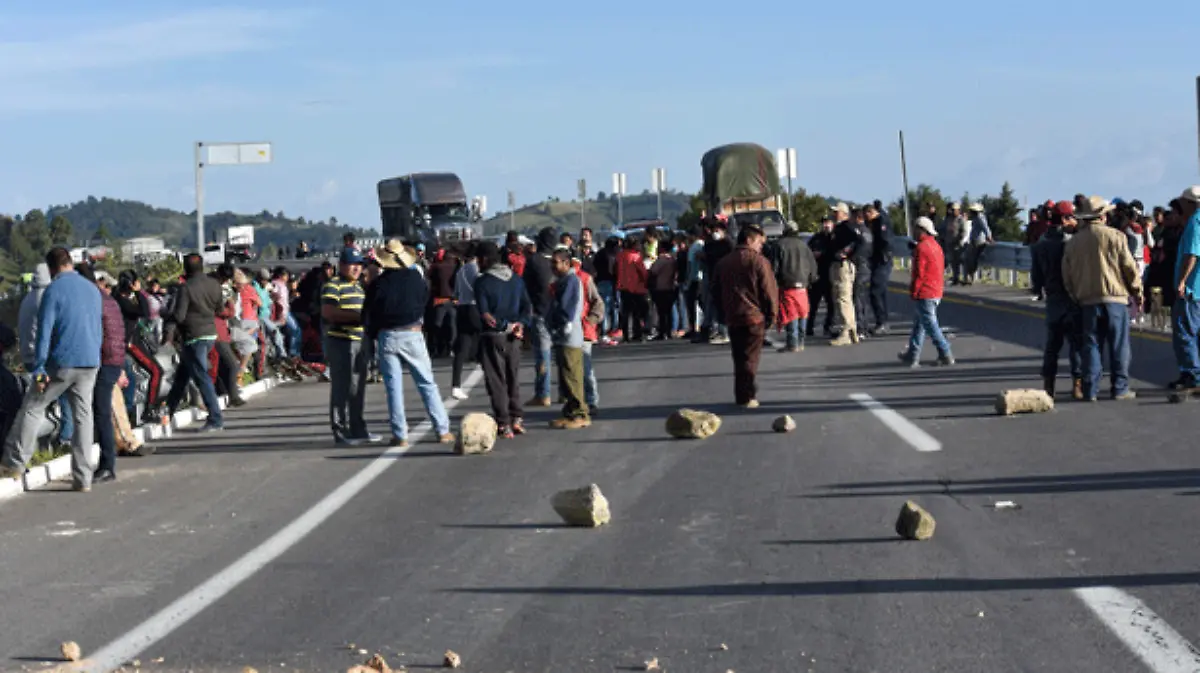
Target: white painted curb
{"type": "Point", "coordinates": [60, 468]}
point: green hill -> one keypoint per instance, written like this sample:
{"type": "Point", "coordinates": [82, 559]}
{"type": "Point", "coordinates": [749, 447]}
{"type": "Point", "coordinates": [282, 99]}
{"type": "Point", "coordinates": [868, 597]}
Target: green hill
{"type": "Point", "coordinates": [121, 219]}
{"type": "Point", "coordinates": [601, 214]}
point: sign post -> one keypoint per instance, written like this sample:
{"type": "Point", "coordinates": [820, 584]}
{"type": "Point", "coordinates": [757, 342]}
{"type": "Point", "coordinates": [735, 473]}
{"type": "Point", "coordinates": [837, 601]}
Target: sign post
{"type": "Point", "coordinates": [619, 186]}
{"type": "Point", "coordinates": [904, 179]}
{"type": "Point", "coordinates": [582, 203]}
{"type": "Point", "coordinates": [222, 154]}
{"type": "Point", "coordinates": [785, 161]}
{"type": "Point", "coordinates": [512, 211]}
{"type": "Point", "coordinates": [659, 178]}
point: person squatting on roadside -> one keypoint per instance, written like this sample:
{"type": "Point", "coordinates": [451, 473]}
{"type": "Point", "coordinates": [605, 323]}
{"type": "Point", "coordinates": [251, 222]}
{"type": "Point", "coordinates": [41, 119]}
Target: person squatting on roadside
{"type": "Point", "coordinates": [926, 286]}
{"type": "Point", "coordinates": [745, 284]}
{"type": "Point", "coordinates": [395, 307]}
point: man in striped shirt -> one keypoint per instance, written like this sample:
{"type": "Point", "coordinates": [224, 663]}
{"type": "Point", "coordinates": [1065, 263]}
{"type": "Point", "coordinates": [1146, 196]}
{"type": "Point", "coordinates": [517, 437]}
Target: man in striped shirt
{"type": "Point", "coordinates": [346, 354]}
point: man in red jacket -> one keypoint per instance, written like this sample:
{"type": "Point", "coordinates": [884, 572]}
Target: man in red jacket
{"type": "Point", "coordinates": [928, 281]}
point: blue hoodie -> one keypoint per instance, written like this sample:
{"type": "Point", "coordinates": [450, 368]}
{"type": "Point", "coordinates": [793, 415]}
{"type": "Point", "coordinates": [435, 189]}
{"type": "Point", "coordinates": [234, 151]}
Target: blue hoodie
{"type": "Point", "coordinates": [566, 312]}
{"type": "Point", "coordinates": [70, 325]}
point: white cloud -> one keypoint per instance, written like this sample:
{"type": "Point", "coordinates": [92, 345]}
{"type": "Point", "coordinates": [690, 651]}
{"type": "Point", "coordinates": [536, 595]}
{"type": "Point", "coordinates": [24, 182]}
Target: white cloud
{"type": "Point", "coordinates": [184, 36]}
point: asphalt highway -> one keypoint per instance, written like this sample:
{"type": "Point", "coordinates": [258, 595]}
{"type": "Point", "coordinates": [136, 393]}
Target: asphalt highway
{"type": "Point", "coordinates": [752, 551]}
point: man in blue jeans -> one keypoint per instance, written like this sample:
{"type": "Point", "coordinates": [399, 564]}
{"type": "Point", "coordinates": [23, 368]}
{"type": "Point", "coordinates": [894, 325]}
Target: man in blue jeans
{"type": "Point", "coordinates": [1100, 275]}
{"type": "Point", "coordinates": [928, 281]}
{"type": "Point", "coordinates": [1186, 311]}
{"type": "Point", "coordinates": [196, 307]}
{"type": "Point", "coordinates": [395, 311]}
{"type": "Point", "coordinates": [538, 278]}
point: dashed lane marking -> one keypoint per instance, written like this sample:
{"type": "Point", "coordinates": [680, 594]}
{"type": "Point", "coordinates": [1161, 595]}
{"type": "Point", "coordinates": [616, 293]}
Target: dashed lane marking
{"type": "Point", "coordinates": [178, 613]}
{"type": "Point", "coordinates": [1159, 646]}
{"type": "Point", "coordinates": [906, 429]}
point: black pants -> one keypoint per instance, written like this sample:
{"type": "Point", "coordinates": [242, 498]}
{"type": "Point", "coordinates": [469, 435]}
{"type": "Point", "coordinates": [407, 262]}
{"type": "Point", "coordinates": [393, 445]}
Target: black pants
{"type": "Point", "coordinates": [880, 275]}
{"type": "Point", "coordinates": [443, 330]}
{"type": "Point", "coordinates": [821, 291]}
{"type": "Point", "coordinates": [501, 358]}
{"type": "Point", "coordinates": [664, 305]}
{"type": "Point", "coordinates": [227, 370]}
{"type": "Point", "coordinates": [692, 297]}
{"type": "Point", "coordinates": [102, 411]}
{"type": "Point", "coordinates": [635, 308]}
{"type": "Point", "coordinates": [466, 343]}
{"type": "Point", "coordinates": [862, 297]}
{"type": "Point", "coordinates": [145, 360]}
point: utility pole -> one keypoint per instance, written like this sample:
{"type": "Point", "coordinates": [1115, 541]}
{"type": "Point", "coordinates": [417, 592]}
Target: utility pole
{"type": "Point", "coordinates": [619, 185]}
{"type": "Point", "coordinates": [512, 211]}
{"type": "Point", "coordinates": [659, 178]}
{"type": "Point", "coordinates": [904, 179]}
{"type": "Point", "coordinates": [582, 203]}
{"type": "Point", "coordinates": [785, 161]}
{"type": "Point", "coordinates": [1198, 110]}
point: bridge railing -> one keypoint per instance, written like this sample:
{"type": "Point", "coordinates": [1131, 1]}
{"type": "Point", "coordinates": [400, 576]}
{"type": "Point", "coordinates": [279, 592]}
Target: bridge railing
{"type": "Point", "coordinates": [1002, 263]}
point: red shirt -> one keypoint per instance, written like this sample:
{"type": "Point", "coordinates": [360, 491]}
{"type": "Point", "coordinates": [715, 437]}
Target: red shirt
{"type": "Point", "coordinates": [250, 301]}
{"type": "Point", "coordinates": [632, 274]}
{"type": "Point", "coordinates": [929, 270]}
{"type": "Point", "coordinates": [516, 261]}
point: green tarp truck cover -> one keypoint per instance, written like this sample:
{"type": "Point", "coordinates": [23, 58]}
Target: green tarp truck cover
{"type": "Point", "coordinates": [739, 171]}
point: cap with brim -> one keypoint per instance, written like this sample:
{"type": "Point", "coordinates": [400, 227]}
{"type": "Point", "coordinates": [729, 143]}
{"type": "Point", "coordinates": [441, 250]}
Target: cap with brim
{"type": "Point", "coordinates": [753, 229]}
{"type": "Point", "coordinates": [926, 225]}
{"type": "Point", "coordinates": [105, 278]}
{"type": "Point", "coordinates": [1094, 207]}
{"type": "Point", "coordinates": [1064, 209]}
{"type": "Point", "coordinates": [840, 208]}
{"type": "Point", "coordinates": [351, 256]}
{"type": "Point", "coordinates": [976, 208]}
{"type": "Point", "coordinates": [1191, 194]}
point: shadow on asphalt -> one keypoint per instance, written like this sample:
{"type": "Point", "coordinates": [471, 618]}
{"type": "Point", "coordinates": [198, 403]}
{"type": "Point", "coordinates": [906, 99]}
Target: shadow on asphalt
{"type": "Point", "coordinates": [856, 587]}
{"type": "Point", "coordinates": [1067, 483]}
{"type": "Point", "coordinates": [505, 526]}
{"type": "Point", "coordinates": [831, 542]}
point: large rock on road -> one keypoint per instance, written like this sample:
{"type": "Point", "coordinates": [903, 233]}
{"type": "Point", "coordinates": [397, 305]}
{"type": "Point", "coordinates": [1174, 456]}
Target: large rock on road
{"type": "Point", "coordinates": [693, 424]}
{"type": "Point", "coordinates": [585, 507]}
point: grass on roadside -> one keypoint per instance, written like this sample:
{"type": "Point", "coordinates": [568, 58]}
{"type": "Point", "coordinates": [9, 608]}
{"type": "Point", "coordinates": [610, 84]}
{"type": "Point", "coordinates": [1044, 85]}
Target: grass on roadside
{"type": "Point", "coordinates": [43, 456]}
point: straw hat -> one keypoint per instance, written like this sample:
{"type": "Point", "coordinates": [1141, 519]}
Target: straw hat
{"type": "Point", "coordinates": [1094, 208]}
{"type": "Point", "coordinates": [394, 255]}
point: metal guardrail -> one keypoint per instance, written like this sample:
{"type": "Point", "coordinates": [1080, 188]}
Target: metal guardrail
{"type": "Point", "coordinates": [1002, 263]}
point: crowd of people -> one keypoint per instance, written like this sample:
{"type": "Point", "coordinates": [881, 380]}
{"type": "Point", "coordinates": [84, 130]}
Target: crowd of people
{"type": "Point", "coordinates": [85, 336]}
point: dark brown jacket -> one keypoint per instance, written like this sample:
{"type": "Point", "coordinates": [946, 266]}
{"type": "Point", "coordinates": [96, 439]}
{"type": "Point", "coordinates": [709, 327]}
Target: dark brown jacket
{"type": "Point", "coordinates": [746, 287]}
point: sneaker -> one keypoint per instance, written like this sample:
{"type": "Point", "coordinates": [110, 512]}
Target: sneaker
{"type": "Point", "coordinates": [844, 340]}
{"type": "Point", "coordinates": [210, 427]}
{"type": "Point", "coordinates": [145, 451]}
{"type": "Point", "coordinates": [539, 402]}
{"type": "Point", "coordinates": [518, 426]}
{"type": "Point", "coordinates": [238, 401]}
{"type": "Point", "coordinates": [1125, 396]}
{"type": "Point", "coordinates": [398, 443]}
{"type": "Point", "coordinates": [593, 410]}
{"type": "Point", "coordinates": [907, 359]}
{"type": "Point", "coordinates": [1184, 382]}
{"type": "Point", "coordinates": [752, 404]}
{"type": "Point", "coordinates": [946, 361]}
{"type": "Point", "coordinates": [505, 432]}
{"type": "Point", "coordinates": [446, 438]}
{"type": "Point", "coordinates": [81, 488]}
{"type": "Point", "coordinates": [459, 394]}
{"type": "Point", "coordinates": [103, 477]}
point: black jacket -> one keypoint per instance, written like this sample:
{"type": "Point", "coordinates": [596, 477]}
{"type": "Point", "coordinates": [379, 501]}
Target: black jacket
{"type": "Point", "coordinates": [396, 299]}
{"type": "Point", "coordinates": [795, 265]}
{"type": "Point", "coordinates": [1046, 271]}
{"type": "Point", "coordinates": [605, 265]}
{"type": "Point", "coordinates": [714, 252]}
{"type": "Point", "coordinates": [864, 250]}
{"type": "Point", "coordinates": [538, 277]}
{"type": "Point", "coordinates": [881, 244]}
{"type": "Point", "coordinates": [196, 307]}
{"type": "Point", "coordinates": [821, 245]}
{"type": "Point", "coordinates": [845, 241]}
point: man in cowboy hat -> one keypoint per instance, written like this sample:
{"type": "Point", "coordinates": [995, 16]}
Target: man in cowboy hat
{"type": "Point", "coordinates": [977, 239]}
{"type": "Point", "coordinates": [1186, 311]}
{"type": "Point", "coordinates": [395, 312]}
{"type": "Point", "coordinates": [954, 231]}
{"type": "Point", "coordinates": [1101, 276]}
{"type": "Point", "coordinates": [925, 287]}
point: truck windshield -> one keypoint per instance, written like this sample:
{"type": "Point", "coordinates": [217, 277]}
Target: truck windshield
{"type": "Point", "coordinates": [454, 211]}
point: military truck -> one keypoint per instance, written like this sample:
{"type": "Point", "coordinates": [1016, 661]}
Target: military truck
{"type": "Point", "coordinates": [428, 208]}
{"type": "Point", "coordinates": [741, 181]}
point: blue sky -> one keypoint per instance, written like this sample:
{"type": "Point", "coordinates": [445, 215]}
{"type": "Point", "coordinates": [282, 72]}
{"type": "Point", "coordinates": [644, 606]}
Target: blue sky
{"type": "Point", "coordinates": [106, 98]}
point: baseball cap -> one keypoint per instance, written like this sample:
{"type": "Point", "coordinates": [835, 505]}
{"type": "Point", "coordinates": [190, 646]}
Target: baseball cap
{"type": "Point", "coordinates": [1191, 194]}
{"type": "Point", "coordinates": [841, 208]}
{"type": "Point", "coordinates": [351, 256]}
{"type": "Point", "coordinates": [1064, 209]}
{"type": "Point", "coordinates": [106, 278]}
{"type": "Point", "coordinates": [926, 225]}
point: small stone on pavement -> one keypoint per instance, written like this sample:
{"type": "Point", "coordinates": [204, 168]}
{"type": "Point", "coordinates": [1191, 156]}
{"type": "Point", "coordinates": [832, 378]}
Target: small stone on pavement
{"type": "Point", "coordinates": [783, 424]}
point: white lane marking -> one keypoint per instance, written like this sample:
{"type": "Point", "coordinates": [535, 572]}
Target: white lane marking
{"type": "Point", "coordinates": [1159, 646]}
{"type": "Point", "coordinates": [143, 636]}
{"type": "Point", "coordinates": [916, 437]}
